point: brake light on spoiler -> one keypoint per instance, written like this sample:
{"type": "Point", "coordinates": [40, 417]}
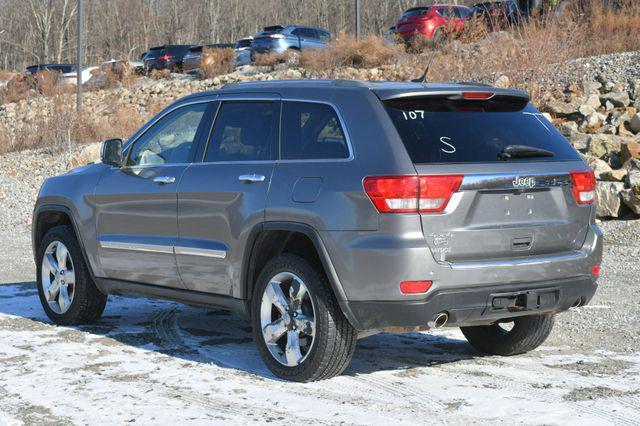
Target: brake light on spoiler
{"type": "Point", "coordinates": [477, 95]}
{"type": "Point", "coordinates": [584, 186]}
{"type": "Point", "coordinates": [411, 194]}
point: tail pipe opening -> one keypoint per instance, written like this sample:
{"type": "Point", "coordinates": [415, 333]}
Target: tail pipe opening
{"type": "Point", "coordinates": [439, 320]}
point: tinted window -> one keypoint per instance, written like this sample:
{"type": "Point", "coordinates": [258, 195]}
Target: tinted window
{"type": "Point", "coordinates": [462, 12]}
{"type": "Point", "coordinates": [312, 131]}
{"type": "Point", "coordinates": [244, 131]}
{"type": "Point", "coordinates": [440, 130]}
{"type": "Point", "coordinates": [446, 12]}
{"type": "Point", "coordinates": [415, 12]}
{"type": "Point", "coordinates": [243, 43]}
{"type": "Point", "coordinates": [155, 52]}
{"type": "Point", "coordinates": [324, 35]}
{"type": "Point", "coordinates": [168, 141]}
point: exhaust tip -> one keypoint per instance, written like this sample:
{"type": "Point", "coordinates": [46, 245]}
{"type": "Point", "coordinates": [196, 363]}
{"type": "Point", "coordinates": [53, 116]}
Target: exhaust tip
{"type": "Point", "coordinates": [578, 303]}
{"type": "Point", "coordinates": [439, 320]}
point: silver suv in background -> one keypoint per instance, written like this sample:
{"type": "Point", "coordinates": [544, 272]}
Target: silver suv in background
{"type": "Point", "coordinates": [289, 38]}
{"type": "Point", "coordinates": [328, 210]}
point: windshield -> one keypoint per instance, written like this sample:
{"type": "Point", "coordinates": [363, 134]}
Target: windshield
{"type": "Point", "coordinates": [441, 130]}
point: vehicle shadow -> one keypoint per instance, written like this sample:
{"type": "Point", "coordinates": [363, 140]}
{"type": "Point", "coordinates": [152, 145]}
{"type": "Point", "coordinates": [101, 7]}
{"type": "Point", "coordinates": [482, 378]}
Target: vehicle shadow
{"type": "Point", "coordinates": [220, 338]}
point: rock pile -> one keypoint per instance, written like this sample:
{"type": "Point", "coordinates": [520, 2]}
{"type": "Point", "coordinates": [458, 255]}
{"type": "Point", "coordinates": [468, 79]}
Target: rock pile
{"type": "Point", "coordinates": [602, 121]}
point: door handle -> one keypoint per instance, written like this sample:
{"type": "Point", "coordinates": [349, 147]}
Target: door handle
{"type": "Point", "coordinates": [251, 178]}
{"type": "Point", "coordinates": [164, 180]}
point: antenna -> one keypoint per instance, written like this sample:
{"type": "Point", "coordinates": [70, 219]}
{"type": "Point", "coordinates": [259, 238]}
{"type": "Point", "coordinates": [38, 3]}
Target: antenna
{"type": "Point", "coordinates": [423, 77]}
{"type": "Point", "coordinates": [436, 47]}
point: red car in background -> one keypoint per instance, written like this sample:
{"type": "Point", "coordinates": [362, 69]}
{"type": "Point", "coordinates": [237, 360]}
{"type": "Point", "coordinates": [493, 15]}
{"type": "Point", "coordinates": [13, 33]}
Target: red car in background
{"type": "Point", "coordinates": [432, 22]}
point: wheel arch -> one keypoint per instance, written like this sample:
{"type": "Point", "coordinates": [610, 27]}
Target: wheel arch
{"type": "Point", "coordinates": [277, 236]}
{"type": "Point", "coordinates": [48, 216]}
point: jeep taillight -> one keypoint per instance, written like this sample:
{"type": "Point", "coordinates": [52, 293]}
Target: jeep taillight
{"type": "Point", "coordinates": [411, 194]}
{"type": "Point", "coordinates": [584, 186]}
{"type": "Point", "coordinates": [436, 191]}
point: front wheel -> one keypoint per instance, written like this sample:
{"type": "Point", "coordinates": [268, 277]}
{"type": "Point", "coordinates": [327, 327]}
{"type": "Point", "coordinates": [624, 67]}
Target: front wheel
{"type": "Point", "coordinates": [300, 331]}
{"type": "Point", "coordinates": [510, 337]}
{"type": "Point", "coordinates": [67, 292]}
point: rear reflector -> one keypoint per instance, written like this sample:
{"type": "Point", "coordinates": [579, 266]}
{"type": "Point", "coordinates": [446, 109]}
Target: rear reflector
{"type": "Point", "coordinates": [595, 271]}
{"type": "Point", "coordinates": [414, 287]}
{"type": "Point", "coordinates": [584, 186]}
{"type": "Point", "coordinates": [411, 194]}
{"type": "Point", "coordinates": [477, 95]}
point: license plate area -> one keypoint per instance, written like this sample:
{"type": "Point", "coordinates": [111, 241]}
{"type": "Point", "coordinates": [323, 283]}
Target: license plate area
{"type": "Point", "coordinates": [527, 300]}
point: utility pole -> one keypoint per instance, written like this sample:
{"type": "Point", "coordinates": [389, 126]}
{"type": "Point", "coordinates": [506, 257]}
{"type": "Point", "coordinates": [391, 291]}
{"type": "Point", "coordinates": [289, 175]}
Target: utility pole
{"type": "Point", "coordinates": [357, 18]}
{"type": "Point", "coordinates": [79, 60]}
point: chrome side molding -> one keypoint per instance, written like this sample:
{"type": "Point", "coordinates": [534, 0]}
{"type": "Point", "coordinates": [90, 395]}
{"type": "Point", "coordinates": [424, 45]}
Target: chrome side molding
{"type": "Point", "coordinates": [165, 249]}
{"type": "Point", "coordinates": [151, 248]}
{"type": "Point", "coordinates": [192, 251]}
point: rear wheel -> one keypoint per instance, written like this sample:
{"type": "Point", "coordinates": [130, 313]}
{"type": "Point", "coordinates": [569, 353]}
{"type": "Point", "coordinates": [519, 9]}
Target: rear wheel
{"type": "Point", "coordinates": [67, 292]}
{"type": "Point", "coordinates": [510, 337]}
{"type": "Point", "coordinates": [300, 331]}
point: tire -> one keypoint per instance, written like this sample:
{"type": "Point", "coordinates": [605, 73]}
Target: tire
{"type": "Point", "coordinates": [527, 333]}
{"type": "Point", "coordinates": [334, 339]}
{"type": "Point", "coordinates": [87, 303]}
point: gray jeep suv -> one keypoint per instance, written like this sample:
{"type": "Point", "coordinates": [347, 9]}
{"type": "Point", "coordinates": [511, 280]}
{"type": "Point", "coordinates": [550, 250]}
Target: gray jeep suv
{"type": "Point", "coordinates": [330, 210]}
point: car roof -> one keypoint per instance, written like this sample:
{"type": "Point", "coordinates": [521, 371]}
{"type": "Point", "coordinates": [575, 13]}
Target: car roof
{"type": "Point", "coordinates": [385, 90]}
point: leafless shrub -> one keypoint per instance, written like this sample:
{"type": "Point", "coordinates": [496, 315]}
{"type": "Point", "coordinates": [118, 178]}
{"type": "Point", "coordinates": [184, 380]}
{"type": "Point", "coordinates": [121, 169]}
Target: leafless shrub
{"type": "Point", "coordinates": [215, 62]}
{"type": "Point", "coordinates": [348, 51]}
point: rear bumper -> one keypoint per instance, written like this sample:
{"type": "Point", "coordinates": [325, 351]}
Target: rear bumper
{"type": "Point", "coordinates": [476, 305]}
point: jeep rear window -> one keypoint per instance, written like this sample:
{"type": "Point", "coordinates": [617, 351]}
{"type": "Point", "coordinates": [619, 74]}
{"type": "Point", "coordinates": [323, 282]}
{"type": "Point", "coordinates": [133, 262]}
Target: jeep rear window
{"type": "Point", "coordinates": [444, 130]}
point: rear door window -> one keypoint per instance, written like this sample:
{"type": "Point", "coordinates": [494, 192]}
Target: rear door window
{"type": "Point", "coordinates": [312, 131]}
{"type": "Point", "coordinates": [244, 131]}
{"type": "Point", "coordinates": [441, 130]}
{"type": "Point", "coordinates": [324, 35]}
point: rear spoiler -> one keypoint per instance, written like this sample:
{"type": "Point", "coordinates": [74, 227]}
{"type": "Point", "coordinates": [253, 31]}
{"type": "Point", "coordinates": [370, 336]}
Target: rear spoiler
{"type": "Point", "coordinates": [479, 92]}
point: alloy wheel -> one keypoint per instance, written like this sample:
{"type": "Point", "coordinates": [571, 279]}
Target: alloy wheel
{"type": "Point", "coordinates": [58, 277]}
{"type": "Point", "coordinates": [287, 318]}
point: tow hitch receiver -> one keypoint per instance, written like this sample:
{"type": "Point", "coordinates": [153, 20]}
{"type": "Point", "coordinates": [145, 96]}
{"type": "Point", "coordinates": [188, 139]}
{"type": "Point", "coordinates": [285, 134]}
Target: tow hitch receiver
{"type": "Point", "coordinates": [531, 300]}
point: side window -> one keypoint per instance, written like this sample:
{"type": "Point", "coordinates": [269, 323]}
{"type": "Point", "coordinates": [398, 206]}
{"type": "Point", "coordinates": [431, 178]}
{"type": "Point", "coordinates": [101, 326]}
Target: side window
{"type": "Point", "coordinates": [298, 32]}
{"type": "Point", "coordinates": [168, 141]}
{"type": "Point", "coordinates": [445, 12]}
{"type": "Point", "coordinates": [244, 131]}
{"type": "Point", "coordinates": [308, 33]}
{"type": "Point", "coordinates": [461, 13]}
{"type": "Point", "coordinates": [312, 131]}
{"type": "Point", "coordinates": [324, 36]}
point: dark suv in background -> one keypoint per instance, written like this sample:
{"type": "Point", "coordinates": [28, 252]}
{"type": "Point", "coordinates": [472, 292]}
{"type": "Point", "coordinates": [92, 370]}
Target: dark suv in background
{"type": "Point", "coordinates": [167, 57]}
{"type": "Point", "coordinates": [328, 210]}
{"type": "Point", "coordinates": [282, 38]}
{"type": "Point", "coordinates": [498, 14]}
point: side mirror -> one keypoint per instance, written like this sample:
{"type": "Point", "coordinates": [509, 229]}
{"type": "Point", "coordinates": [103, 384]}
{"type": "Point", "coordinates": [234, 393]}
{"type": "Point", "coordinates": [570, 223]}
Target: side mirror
{"type": "Point", "coordinates": [111, 152]}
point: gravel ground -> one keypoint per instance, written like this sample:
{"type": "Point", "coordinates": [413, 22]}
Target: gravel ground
{"type": "Point", "coordinates": [159, 362]}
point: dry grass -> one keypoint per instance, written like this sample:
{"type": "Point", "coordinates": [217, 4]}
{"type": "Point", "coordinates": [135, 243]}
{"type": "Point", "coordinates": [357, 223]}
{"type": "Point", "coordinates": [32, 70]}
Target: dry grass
{"type": "Point", "coordinates": [215, 62]}
{"type": "Point", "coordinates": [6, 75]}
{"type": "Point", "coordinates": [60, 125]}
{"type": "Point", "coordinates": [607, 30]}
{"type": "Point", "coordinates": [159, 74]}
{"type": "Point", "coordinates": [348, 51]}
{"type": "Point", "coordinates": [121, 74]}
